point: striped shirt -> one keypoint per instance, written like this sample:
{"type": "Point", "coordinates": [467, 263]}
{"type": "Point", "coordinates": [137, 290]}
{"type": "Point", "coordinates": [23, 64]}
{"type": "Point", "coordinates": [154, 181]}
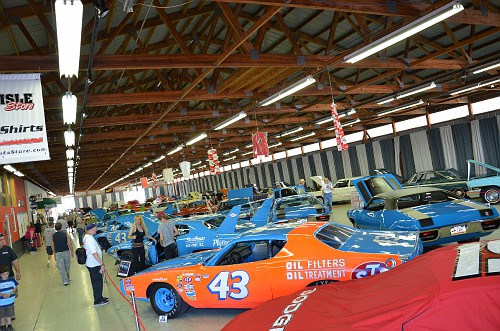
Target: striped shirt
{"type": "Point", "coordinates": [6, 286]}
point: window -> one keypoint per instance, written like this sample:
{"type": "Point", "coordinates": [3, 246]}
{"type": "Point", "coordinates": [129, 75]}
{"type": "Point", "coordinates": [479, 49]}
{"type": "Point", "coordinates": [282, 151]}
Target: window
{"type": "Point", "coordinates": [235, 166]}
{"type": "Point", "coordinates": [279, 155]}
{"type": "Point", "coordinates": [380, 131]}
{"type": "Point", "coordinates": [295, 151]}
{"type": "Point", "coordinates": [251, 251]}
{"type": "Point", "coordinates": [267, 158]}
{"type": "Point", "coordinates": [328, 143]}
{"type": "Point", "coordinates": [183, 229]}
{"type": "Point", "coordinates": [486, 106]}
{"type": "Point", "coordinates": [254, 161]}
{"type": "Point", "coordinates": [449, 114]}
{"type": "Point", "coordinates": [353, 137]}
{"type": "Point", "coordinates": [227, 168]}
{"type": "Point", "coordinates": [245, 163]}
{"type": "Point", "coordinates": [311, 148]}
{"type": "Point", "coordinates": [411, 123]}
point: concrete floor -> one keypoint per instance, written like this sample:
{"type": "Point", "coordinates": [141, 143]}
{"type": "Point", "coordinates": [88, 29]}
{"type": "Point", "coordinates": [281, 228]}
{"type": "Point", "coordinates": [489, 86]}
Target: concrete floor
{"type": "Point", "coordinates": [45, 304]}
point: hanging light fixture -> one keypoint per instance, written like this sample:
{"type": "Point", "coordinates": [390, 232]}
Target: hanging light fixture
{"type": "Point", "coordinates": [69, 138]}
{"type": "Point", "coordinates": [69, 15]}
{"type": "Point", "coordinates": [175, 150]}
{"type": "Point", "coordinates": [69, 108]}
{"type": "Point", "coordinates": [289, 132]}
{"type": "Point", "coordinates": [275, 145]}
{"type": "Point", "coordinates": [386, 100]}
{"type": "Point", "coordinates": [474, 86]}
{"type": "Point", "coordinates": [416, 90]}
{"type": "Point", "coordinates": [288, 90]}
{"type": "Point", "coordinates": [231, 151]}
{"type": "Point", "coordinates": [408, 30]}
{"type": "Point", "coordinates": [230, 120]}
{"type": "Point", "coordinates": [486, 67]}
{"type": "Point", "coordinates": [303, 136]}
{"type": "Point", "coordinates": [70, 153]}
{"type": "Point", "coordinates": [357, 120]}
{"type": "Point", "coordinates": [408, 105]}
{"type": "Point", "coordinates": [196, 139]}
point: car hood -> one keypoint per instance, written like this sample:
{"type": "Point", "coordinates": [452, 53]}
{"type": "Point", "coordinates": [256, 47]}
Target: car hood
{"type": "Point", "coordinates": [404, 243]}
{"type": "Point", "coordinates": [184, 261]}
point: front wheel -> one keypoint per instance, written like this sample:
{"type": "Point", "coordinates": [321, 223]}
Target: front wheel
{"type": "Point", "coordinates": [166, 301]}
{"type": "Point", "coordinates": [491, 195]}
{"type": "Point", "coordinates": [459, 192]}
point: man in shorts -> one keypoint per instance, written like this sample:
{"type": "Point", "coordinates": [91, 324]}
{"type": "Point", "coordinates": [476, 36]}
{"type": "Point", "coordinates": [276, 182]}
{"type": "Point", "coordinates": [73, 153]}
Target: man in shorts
{"type": "Point", "coordinates": [47, 236]}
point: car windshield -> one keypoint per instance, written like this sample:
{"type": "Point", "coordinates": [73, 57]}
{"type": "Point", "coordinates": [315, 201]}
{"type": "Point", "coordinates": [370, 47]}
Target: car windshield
{"type": "Point", "coordinates": [334, 235]}
{"type": "Point", "coordinates": [449, 174]}
{"type": "Point", "coordinates": [376, 204]}
{"type": "Point", "coordinates": [226, 205]}
{"type": "Point", "coordinates": [414, 200]}
{"type": "Point", "coordinates": [214, 222]}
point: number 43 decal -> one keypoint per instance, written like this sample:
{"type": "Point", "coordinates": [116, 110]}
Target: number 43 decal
{"type": "Point", "coordinates": [237, 287]}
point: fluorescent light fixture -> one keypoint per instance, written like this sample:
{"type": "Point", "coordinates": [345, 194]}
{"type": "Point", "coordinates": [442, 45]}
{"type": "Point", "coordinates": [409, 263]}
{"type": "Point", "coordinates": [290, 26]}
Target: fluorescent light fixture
{"type": "Point", "coordinates": [50, 193]}
{"type": "Point", "coordinates": [247, 153]}
{"type": "Point", "coordinates": [69, 138]}
{"type": "Point", "coordinates": [70, 153]}
{"type": "Point", "coordinates": [406, 31]}
{"type": "Point", "coordinates": [324, 120]}
{"type": "Point", "coordinates": [229, 158]}
{"type": "Point", "coordinates": [275, 145]}
{"type": "Point", "coordinates": [351, 111]}
{"type": "Point", "coordinates": [159, 158]}
{"type": "Point", "coordinates": [139, 169]}
{"type": "Point", "coordinates": [234, 150]}
{"type": "Point", "coordinates": [70, 163]}
{"type": "Point", "coordinates": [408, 105]}
{"type": "Point", "coordinates": [288, 90]}
{"type": "Point", "coordinates": [70, 170]}
{"type": "Point", "coordinates": [249, 146]}
{"type": "Point", "coordinates": [357, 120]}
{"type": "Point", "coordinates": [196, 163]}
{"type": "Point", "coordinates": [69, 15]}
{"type": "Point", "coordinates": [289, 132]}
{"type": "Point", "coordinates": [475, 86]}
{"type": "Point", "coordinates": [416, 90]}
{"type": "Point", "coordinates": [196, 139]}
{"type": "Point", "coordinates": [9, 168]}
{"type": "Point", "coordinates": [149, 164]}
{"type": "Point", "coordinates": [486, 67]}
{"type": "Point", "coordinates": [303, 137]}
{"type": "Point", "coordinates": [69, 108]}
{"type": "Point", "coordinates": [19, 174]}
{"type": "Point", "coordinates": [175, 150]}
{"type": "Point", "coordinates": [230, 120]}
{"type": "Point", "coordinates": [386, 100]}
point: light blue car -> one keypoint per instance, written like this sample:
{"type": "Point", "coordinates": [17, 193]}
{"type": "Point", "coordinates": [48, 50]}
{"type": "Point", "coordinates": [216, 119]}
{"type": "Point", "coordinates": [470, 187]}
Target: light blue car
{"type": "Point", "coordinates": [439, 215]}
{"type": "Point", "coordinates": [488, 187]}
{"type": "Point", "coordinates": [296, 207]}
{"type": "Point", "coordinates": [118, 233]}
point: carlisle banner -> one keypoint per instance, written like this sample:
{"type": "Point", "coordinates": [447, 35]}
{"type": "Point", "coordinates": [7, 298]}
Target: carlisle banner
{"type": "Point", "coordinates": [23, 134]}
{"type": "Point", "coordinates": [259, 142]}
{"type": "Point", "coordinates": [339, 132]}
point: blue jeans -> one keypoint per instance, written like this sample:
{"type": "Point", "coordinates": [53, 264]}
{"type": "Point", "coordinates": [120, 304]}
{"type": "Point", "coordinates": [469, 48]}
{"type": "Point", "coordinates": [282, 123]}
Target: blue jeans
{"type": "Point", "coordinates": [327, 199]}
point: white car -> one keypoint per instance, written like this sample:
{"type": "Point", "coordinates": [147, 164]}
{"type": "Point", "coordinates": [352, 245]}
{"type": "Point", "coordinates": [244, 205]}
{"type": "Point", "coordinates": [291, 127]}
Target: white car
{"type": "Point", "coordinates": [342, 189]}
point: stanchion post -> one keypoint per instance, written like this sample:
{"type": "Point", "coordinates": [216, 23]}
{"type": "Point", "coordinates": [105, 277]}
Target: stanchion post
{"type": "Point", "coordinates": [137, 326]}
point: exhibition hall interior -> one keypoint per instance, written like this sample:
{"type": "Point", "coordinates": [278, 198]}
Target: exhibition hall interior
{"type": "Point", "coordinates": [249, 165]}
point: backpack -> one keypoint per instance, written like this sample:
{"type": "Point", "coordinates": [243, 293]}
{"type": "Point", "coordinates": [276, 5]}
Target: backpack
{"type": "Point", "coordinates": [81, 255]}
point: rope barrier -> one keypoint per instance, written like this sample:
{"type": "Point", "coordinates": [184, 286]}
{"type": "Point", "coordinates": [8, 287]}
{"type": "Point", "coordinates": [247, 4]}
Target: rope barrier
{"type": "Point", "coordinates": [126, 298]}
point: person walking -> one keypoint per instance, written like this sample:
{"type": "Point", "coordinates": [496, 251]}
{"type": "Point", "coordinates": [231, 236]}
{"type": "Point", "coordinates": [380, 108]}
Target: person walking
{"type": "Point", "coordinates": [168, 232]}
{"type": "Point", "coordinates": [63, 222]}
{"type": "Point", "coordinates": [94, 264]}
{"type": "Point", "coordinates": [8, 289]}
{"type": "Point", "coordinates": [327, 194]}
{"type": "Point", "coordinates": [30, 238]}
{"type": "Point", "coordinates": [80, 228]}
{"type": "Point", "coordinates": [137, 233]}
{"type": "Point", "coordinates": [62, 246]}
{"type": "Point", "coordinates": [47, 234]}
{"type": "Point", "coordinates": [9, 258]}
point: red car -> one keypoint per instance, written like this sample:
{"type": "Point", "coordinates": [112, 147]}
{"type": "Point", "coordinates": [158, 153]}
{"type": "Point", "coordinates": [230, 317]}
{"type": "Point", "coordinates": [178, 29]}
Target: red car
{"type": "Point", "coordinates": [196, 208]}
{"type": "Point", "coordinates": [451, 288]}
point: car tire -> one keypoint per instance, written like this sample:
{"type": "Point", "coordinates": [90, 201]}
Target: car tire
{"type": "Point", "coordinates": [354, 224]}
{"type": "Point", "coordinates": [460, 192]}
{"type": "Point", "coordinates": [103, 243]}
{"type": "Point", "coordinates": [166, 301]}
{"type": "Point", "coordinates": [126, 255]}
{"type": "Point", "coordinates": [491, 194]}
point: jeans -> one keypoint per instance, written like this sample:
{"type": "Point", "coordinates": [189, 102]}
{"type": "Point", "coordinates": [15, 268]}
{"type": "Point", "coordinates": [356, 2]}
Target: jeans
{"type": "Point", "coordinates": [138, 259]}
{"type": "Point", "coordinates": [169, 251]}
{"type": "Point", "coordinates": [80, 235]}
{"type": "Point", "coordinates": [63, 264]}
{"type": "Point", "coordinates": [96, 280]}
{"type": "Point", "coordinates": [327, 199]}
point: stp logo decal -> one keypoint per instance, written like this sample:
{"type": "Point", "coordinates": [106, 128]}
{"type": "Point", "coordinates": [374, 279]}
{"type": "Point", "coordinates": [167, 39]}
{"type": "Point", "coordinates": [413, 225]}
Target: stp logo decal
{"type": "Point", "coordinates": [369, 269]}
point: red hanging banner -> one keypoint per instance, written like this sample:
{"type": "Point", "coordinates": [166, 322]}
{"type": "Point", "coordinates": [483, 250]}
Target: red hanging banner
{"type": "Point", "coordinates": [339, 132]}
{"type": "Point", "coordinates": [153, 177]}
{"type": "Point", "coordinates": [144, 182]}
{"type": "Point", "coordinates": [213, 161]}
{"type": "Point", "coordinates": [260, 146]}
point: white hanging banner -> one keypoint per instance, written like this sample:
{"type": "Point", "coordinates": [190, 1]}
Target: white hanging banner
{"type": "Point", "coordinates": [23, 134]}
{"type": "Point", "coordinates": [168, 175]}
{"type": "Point", "coordinates": [185, 168]}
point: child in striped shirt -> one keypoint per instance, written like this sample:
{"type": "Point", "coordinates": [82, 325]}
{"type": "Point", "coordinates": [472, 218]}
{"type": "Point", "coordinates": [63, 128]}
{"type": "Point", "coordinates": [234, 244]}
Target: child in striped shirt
{"type": "Point", "coordinates": [8, 288]}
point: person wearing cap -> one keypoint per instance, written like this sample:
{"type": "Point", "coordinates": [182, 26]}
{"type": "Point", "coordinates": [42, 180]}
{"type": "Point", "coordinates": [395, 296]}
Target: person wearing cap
{"type": "Point", "coordinates": [9, 258]}
{"type": "Point", "coordinates": [301, 187]}
{"type": "Point", "coordinates": [94, 264]}
{"type": "Point", "coordinates": [168, 232]}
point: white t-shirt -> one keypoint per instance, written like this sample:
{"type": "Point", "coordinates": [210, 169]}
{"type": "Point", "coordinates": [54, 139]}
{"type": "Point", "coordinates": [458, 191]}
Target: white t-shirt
{"type": "Point", "coordinates": [91, 246]}
{"type": "Point", "coordinates": [327, 187]}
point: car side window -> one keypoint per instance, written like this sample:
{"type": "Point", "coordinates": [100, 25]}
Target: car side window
{"type": "Point", "coordinates": [376, 204]}
{"type": "Point", "coordinates": [183, 229]}
{"type": "Point", "coordinates": [341, 184]}
{"type": "Point", "coordinates": [251, 251]}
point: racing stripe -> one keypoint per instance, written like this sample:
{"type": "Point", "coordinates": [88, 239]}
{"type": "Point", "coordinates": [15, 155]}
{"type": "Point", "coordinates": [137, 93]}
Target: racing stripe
{"type": "Point", "coordinates": [415, 214]}
{"type": "Point", "coordinates": [474, 205]}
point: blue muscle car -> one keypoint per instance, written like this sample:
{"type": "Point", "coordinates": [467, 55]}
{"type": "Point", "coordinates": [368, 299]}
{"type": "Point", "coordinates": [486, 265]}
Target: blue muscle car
{"type": "Point", "coordinates": [302, 206]}
{"type": "Point", "coordinates": [439, 215]}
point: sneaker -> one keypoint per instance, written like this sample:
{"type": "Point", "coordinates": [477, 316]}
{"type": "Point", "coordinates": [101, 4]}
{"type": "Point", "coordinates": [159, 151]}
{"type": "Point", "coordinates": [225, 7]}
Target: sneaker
{"type": "Point", "coordinates": [105, 299]}
{"type": "Point", "coordinates": [66, 284]}
{"type": "Point", "coordinates": [48, 264]}
{"type": "Point", "coordinates": [9, 327]}
{"type": "Point", "coordinates": [102, 303]}
{"type": "Point", "coordinates": [3, 328]}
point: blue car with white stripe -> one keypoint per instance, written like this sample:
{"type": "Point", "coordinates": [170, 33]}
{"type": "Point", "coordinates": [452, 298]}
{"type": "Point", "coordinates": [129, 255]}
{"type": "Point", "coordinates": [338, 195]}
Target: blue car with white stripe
{"type": "Point", "coordinates": [438, 215]}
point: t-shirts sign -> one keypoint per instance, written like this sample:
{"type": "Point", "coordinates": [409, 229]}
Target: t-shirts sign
{"type": "Point", "coordinates": [23, 134]}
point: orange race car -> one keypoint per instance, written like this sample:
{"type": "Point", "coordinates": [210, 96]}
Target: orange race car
{"type": "Point", "coordinates": [269, 262]}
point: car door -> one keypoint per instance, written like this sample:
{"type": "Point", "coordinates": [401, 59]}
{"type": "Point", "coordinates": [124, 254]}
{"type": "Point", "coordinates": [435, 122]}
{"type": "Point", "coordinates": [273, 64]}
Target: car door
{"type": "Point", "coordinates": [241, 281]}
